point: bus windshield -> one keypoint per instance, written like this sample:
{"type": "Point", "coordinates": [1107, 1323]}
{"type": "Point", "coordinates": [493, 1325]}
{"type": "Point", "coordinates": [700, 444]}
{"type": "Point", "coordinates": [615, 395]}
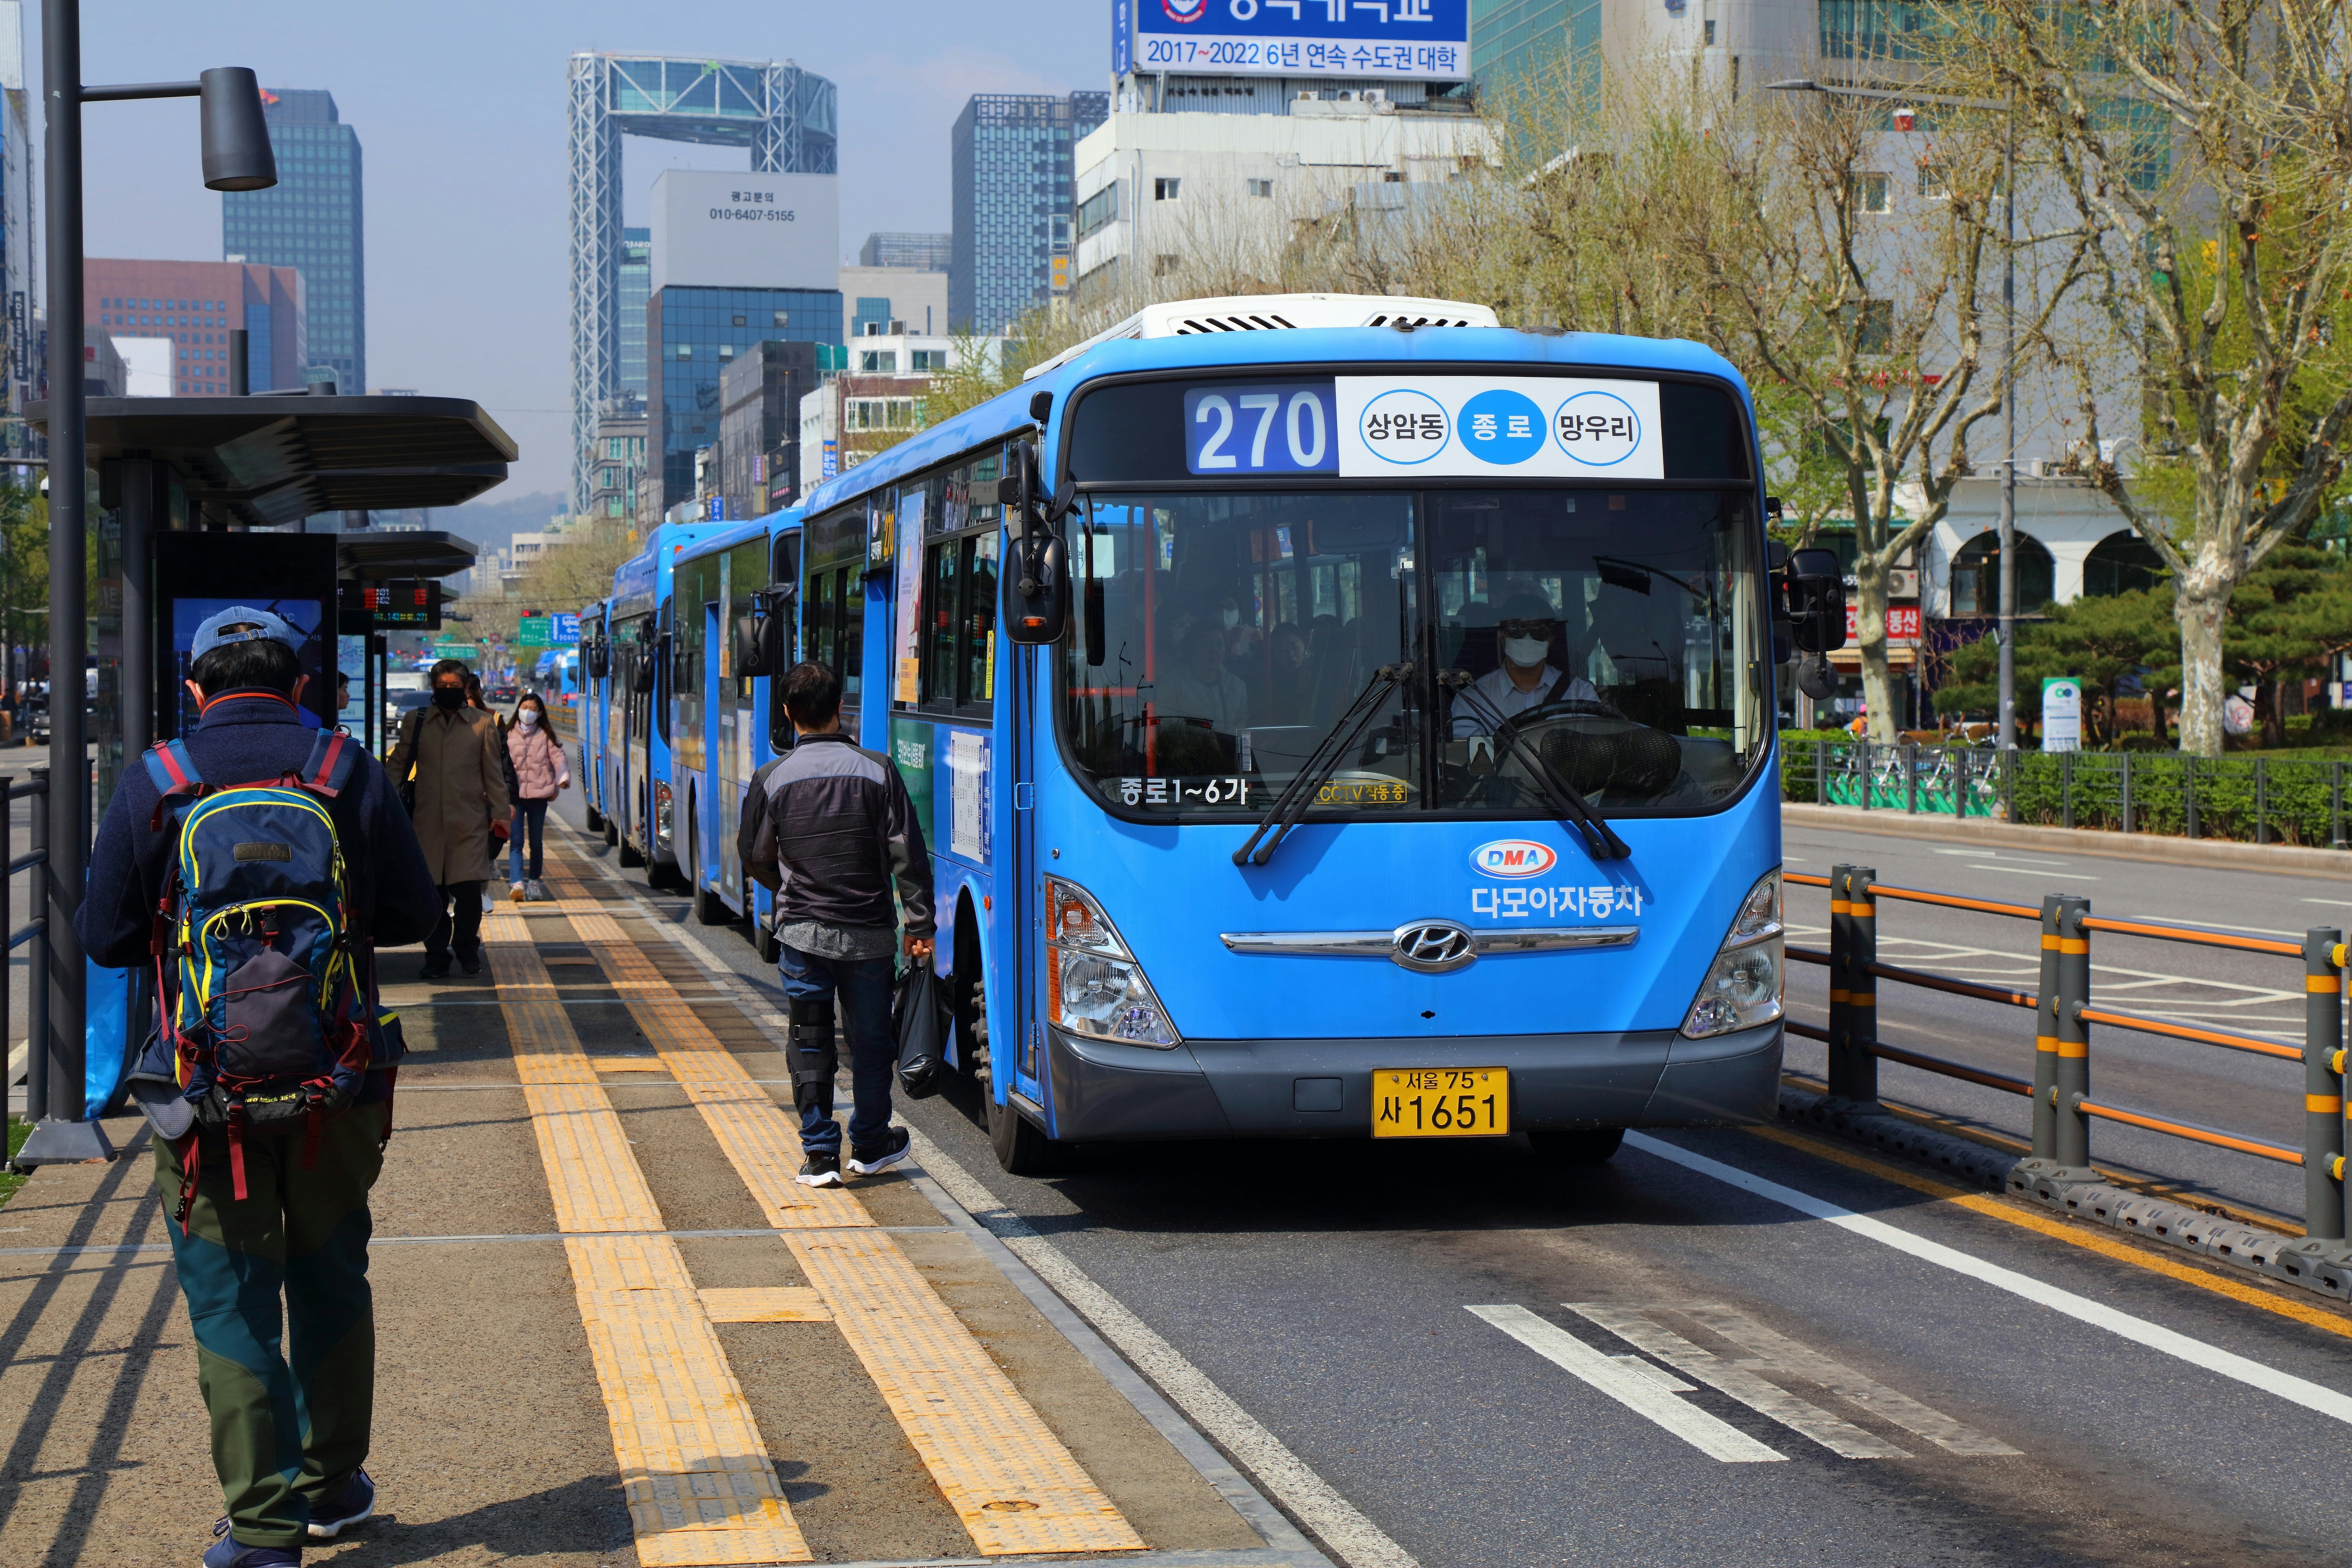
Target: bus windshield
{"type": "Point", "coordinates": [1614, 639]}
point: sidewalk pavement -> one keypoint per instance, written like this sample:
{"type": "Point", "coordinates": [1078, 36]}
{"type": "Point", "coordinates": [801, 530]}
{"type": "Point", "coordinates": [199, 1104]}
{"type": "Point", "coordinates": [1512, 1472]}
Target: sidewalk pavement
{"type": "Point", "coordinates": [535, 1399]}
{"type": "Point", "coordinates": [2288, 858]}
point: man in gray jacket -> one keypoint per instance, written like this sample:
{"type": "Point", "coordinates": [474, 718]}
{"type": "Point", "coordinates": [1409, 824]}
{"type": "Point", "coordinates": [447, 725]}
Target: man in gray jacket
{"type": "Point", "coordinates": [835, 836]}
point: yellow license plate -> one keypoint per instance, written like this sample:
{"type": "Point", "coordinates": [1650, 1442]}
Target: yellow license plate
{"type": "Point", "coordinates": [1441, 1102]}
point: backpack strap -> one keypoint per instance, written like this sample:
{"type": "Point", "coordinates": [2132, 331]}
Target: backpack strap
{"type": "Point", "coordinates": [174, 773]}
{"type": "Point", "coordinates": [333, 756]}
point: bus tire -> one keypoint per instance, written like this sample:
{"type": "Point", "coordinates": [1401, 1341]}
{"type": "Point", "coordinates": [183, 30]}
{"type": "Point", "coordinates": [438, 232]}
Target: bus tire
{"type": "Point", "coordinates": [595, 820]}
{"type": "Point", "coordinates": [764, 942]}
{"type": "Point", "coordinates": [1021, 1149]}
{"type": "Point", "coordinates": [631, 856]}
{"type": "Point", "coordinates": [710, 908]}
{"type": "Point", "coordinates": [1584, 1146]}
{"type": "Point", "coordinates": [612, 832]}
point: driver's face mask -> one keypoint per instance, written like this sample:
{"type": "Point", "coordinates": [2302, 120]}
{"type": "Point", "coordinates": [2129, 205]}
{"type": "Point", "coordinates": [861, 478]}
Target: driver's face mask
{"type": "Point", "coordinates": [1525, 651]}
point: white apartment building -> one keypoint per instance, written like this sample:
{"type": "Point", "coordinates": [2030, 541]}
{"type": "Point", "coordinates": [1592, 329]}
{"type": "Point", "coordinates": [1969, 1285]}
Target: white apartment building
{"type": "Point", "coordinates": [878, 398]}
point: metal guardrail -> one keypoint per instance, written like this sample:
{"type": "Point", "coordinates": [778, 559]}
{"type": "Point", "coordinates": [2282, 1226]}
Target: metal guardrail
{"type": "Point", "coordinates": [2259, 798]}
{"type": "Point", "coordinates": [40, 1091]}
{"type": "Point", "coordinates": [2060, 1089]}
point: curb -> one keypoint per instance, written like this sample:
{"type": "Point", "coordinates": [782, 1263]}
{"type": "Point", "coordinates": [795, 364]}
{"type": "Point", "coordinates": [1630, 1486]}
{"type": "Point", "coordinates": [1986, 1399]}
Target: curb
{"type": "Point", "coordinates": [2287, 859]}
{"type": "Point", "coordinates": [2323, 1269]}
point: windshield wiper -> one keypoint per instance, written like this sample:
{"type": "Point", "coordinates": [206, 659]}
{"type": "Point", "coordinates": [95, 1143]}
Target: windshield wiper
{"type": "Point", "coordinates": [1292, 803]}
{"type": "Point", "coordinates": [1600, 841]}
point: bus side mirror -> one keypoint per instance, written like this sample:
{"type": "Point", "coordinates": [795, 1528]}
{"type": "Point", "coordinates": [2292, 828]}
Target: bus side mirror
{"type": "Point", "coordinates": [641, 669]}
{"type": "Point", "coordinates": [1815, 594]}
{"type": "Point", "coordinates": [600, 660]}
{"type": "Point", "coordinates": [1036, 584]}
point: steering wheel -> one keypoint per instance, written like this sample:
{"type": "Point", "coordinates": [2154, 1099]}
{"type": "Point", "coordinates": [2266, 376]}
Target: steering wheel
{"type": "Point", "coordinates": [1546, 712]}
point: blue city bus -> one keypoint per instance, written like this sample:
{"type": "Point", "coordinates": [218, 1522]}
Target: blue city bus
{"type": "Point", "coordinates": [642, 808]}
{"type": "Point", "coordinates": [734, 591]}
{"type": "Point", "coordinates": [1381, 737]}
{"type": "Point", "coordinates": [591, 710]}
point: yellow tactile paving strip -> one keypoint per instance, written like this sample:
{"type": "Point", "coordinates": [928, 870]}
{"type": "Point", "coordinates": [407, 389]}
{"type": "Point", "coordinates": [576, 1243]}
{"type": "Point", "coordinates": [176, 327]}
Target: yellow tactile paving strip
{"type": "Point", "coordinates": [765, 1304]}
{"type": "Point", "coordinates": [1013, 1484]}
{"type": "Point", "coordinates": [700, 1485]}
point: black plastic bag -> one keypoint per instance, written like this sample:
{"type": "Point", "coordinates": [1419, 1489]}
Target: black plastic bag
{"type": "Point", "coordinates": [918, 1015]}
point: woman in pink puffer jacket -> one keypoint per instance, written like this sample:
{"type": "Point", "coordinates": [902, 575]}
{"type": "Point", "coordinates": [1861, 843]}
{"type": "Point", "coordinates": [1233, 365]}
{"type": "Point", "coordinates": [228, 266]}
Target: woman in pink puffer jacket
{"type": "Point", "coordinates": [540, 777]}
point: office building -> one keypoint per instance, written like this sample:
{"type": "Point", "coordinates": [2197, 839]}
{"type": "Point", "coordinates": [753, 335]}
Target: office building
{"type": "Point", "coordinates": [917, 252]}
{"type": "Point", "coordinates": [759, 425]}
{"type": "Point", "coordinates": [893, 300]}
{"type": "Point", "coordinates": [104, 372]}
{"type": "Point", "coordinates": [739, 260]}
{"type": "Point", "coordinates": [195, 306]}
{"type": "Point", "coordinates": [781, 114]}
{"type": "Point", "coordinates": [876, 399]}
{"type": "Point", "coordinates": [636, 288]}
{"type": "Point", "coordinates": [620, 454]}
{"type": "Point", "coordinates": [1014, 194]}
{"type": "Point", "coordinates": [312, 220]}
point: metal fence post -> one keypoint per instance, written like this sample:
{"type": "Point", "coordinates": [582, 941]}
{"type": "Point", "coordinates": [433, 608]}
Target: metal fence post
{"type": "Point", "coordinates": [2189, 792]}
{"type": "Point", "coordinates": [2009, 785]}
{"type": "Point", "coordinates": [2067, 789]}
{"type": "Point", "coordinates": [1853, 1071]}
{"type": "Point", "coordinates": [1911, 777]}
{"type": "Point", "coordinates": [1821, 772]}
{"type": "Point", "coordinates": [8, 954]}
{"type": "Point", "coordinates": [1959, 757]}
{"type": "Point", "coordinates": [2336, 808]}
{"type": "Point", "coordinates": [2126, 787]}
{"type": "Point", "coordinates": [2045, 1038]}
{"type": "Point", "coordinates": [1841, 1027]}
{"type": "Point", "coordinates": [2261, 799]}
{"type": "Point", "coordinates": [2072, 1141]}
{"type": "Point", "coordinates": [2323, 1086]}
{"type": "Point", "coordinates": [1861, 750]}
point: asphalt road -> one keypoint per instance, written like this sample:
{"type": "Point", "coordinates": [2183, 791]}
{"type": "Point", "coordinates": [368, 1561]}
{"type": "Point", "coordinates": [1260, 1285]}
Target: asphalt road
{"type": "Point", "coordinates": [1870, 1373]}
{"type": "Point", "coordinates": [2241, 992]}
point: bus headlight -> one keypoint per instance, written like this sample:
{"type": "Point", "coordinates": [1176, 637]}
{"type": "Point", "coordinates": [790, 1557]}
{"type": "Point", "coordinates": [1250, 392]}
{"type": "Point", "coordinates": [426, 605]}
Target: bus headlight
{"type": "Point", "coordinates": [1742, 988]}
{"type": "Point", "coordinates": [1098, 989]}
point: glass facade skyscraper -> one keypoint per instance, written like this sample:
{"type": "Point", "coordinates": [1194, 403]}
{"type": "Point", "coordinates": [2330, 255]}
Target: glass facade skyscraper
{"type": "Point", "coordinates": [636, 288]}
{"type": "Point", "coordinates": [1015, 190]}
{"type": "Point", "coordinates": [1523, 38]}
{"type": "Point", "coordinates": [695, 334]}
{"type": "Point", "coordinates": [311, 220]}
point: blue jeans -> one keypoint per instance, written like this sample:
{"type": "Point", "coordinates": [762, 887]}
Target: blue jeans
{"type": "Point", "coordinates": [865, 987]}
{"type": "Point", "coordinates": [530, 815]}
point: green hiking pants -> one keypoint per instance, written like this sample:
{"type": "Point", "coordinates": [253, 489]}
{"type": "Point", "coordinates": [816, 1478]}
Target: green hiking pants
{"type": "Point", "coordinates": [282, 1434]}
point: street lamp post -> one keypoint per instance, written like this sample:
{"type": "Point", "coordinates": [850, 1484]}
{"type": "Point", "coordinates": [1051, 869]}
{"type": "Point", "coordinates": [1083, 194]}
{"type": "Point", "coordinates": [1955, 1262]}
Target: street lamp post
{"type": "Point", "coordinates": [236, 157]}
{"type": "Point", "coordinates": [2007, 524]}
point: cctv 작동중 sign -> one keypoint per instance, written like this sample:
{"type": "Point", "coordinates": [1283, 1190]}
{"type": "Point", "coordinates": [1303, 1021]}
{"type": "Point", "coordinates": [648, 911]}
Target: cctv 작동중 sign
{"type": "Point", "coordinates": [1427, 40]}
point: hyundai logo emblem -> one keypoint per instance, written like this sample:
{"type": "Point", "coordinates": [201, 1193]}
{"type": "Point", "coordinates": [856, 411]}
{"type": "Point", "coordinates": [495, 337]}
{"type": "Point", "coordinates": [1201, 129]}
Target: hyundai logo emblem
{"type": "Point", "coordinates": [1431, 947]}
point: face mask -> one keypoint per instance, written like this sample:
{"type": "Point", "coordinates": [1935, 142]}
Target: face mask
{"type": "Point", "coordinates": [1526, 650]}
{"type": "Point", "coordinates": [1232, 618]}
{"type": "Point", "coordinates": [528, 717]}
{"type": "Point", "coordinates": [448, 699]}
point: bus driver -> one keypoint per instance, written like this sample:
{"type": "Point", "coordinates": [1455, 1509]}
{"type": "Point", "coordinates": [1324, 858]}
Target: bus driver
{"type": "Point", "coordinates": [1526, 677]}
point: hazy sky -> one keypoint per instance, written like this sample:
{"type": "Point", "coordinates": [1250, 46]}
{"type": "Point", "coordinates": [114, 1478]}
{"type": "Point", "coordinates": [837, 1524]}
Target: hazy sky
{"type": "Point", "coordinates": [460, 113]}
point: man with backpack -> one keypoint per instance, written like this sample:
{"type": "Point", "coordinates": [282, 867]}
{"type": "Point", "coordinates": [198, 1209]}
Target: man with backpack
{"type": "Point", "coordinates": [251, 868]}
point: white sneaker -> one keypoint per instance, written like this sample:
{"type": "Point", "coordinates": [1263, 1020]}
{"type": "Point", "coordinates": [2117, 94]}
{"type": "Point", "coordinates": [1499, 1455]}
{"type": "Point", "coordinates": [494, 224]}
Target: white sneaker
{"type": "Point", "coordinates": [516, 894]}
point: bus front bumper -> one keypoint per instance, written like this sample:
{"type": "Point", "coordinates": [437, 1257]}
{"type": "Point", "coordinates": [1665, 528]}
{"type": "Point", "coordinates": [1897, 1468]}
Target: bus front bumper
{"type": "Point", "coordinates": [1322, 1089]}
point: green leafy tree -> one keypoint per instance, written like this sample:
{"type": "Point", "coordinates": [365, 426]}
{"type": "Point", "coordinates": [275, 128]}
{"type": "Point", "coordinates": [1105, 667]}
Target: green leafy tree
{"type": "Point", "coordinates": [2100, 642]}
{"type": "Point", "coordinates": [2288, 616]}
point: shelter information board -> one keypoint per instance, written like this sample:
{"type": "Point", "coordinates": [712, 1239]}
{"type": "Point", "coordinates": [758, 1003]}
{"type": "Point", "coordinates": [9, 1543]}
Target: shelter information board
{"type": "Point", "coordinates": [1427, 40]}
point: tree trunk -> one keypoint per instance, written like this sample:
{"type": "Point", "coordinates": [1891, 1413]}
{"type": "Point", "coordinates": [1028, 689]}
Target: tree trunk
{"type": "Point", "coordinates": [1870, 639]}
{"type": "Point", "coordinates": [2270, 698]}
{"type": "Point", "coordinates": [2202, 601]}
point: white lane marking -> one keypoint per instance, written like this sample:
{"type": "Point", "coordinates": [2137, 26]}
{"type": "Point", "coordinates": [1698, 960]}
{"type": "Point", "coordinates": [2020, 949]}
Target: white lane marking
{"type": "Point", "coordinates": [2038, 871]}
{"type": "Point", "coordinates": [1310, 1498]}
{"type": "Point", "coordinates": [2139, 1330]}
{"type": "Point", "coordinates": [1636, 1390]}
{"type": "Point", "coordinates": [1739, 1380]}
{"type": "Point", "coordinates": [1655, 1374]}
{"type": "Point", "coordinates": [1777, 1353]}
{"type": "Point", "coordinates": [1997, 855]}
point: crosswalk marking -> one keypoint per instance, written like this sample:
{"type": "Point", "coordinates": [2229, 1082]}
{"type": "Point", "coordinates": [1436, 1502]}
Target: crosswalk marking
{"type": "Point", "coordinates": [1011, 1480]}
{"type": "Point", "coordinates": [1637, 1391]}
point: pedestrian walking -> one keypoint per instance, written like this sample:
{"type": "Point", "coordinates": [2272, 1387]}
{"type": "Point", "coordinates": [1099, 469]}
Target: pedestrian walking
{"type": "Point", "coordinates": [535, 762]}
{"type": "Point", "coordinates": [836, 837]}
{"type": "Point", "coordinates": [451, 755]}
{"type": "Point", "coordinates": [265, 1175]}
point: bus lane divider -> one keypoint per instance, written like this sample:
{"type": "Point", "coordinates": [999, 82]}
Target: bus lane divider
{"type": "Point", "coordinates": [1013, 1484]}
{"type": "Point", "coordinates": [2197, 1352]}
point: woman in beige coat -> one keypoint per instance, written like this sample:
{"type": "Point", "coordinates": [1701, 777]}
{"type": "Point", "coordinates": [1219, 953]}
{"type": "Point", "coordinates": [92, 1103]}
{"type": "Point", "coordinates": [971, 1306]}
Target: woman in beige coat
{"type": "Point", "coordinates": [458, 760]}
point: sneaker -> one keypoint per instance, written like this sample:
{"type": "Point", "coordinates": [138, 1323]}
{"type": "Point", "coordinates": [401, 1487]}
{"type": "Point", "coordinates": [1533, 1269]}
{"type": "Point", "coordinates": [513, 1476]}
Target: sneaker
{"type": "Point", "coordinates": [471, 962]}
{"type": "Point", "coordinates": [348, 1504]}
{"type": "Point", "coordinates": [435, 969]}
{"type": "Point", "coordinates": [893, 1149]}
{"type": "Point", "coordinates": [227, 1551]}
{"type": "Point", "coordinates": [515, 895]}
{"type": "Point", "coordinates": [539, 890]}
{"type": "Point", "coordinates": [820, 1170]}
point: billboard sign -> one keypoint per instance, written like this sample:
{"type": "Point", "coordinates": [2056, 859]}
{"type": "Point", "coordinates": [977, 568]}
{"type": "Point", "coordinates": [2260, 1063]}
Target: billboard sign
{"type": "Point", "coordinates": [1425, 40]}
{"type": "Point", "coordinates": [533, 632]}
{"type": "Point", "coordinates": [716, 229]}
{"type": "Point", "coordinates": [566, 629]}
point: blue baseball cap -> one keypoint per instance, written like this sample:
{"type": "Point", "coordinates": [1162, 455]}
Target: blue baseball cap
{"type": "Point", "coordinates": [211, 632]}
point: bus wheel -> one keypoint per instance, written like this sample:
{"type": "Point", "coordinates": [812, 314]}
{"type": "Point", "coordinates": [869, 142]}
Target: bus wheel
{"type": "Point", "coordinates": [709, 909]}
{"type": "Point", "coordinates": [612, 832]}
{"type": "Point", "coordinates": [595, 820]}
{"type": "Point", "coordinates": [631, 854]}
{"type": "Point", "coordinates": [1584, 1146]}
{"type": "Point", "coordinates": [1021, 1149]}
{"type": "Point", "coordinates": [764, 942]}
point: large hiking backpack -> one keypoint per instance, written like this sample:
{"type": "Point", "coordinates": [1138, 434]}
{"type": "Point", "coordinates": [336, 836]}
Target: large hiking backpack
{"type": "Point", "coordinates": [264, 994]}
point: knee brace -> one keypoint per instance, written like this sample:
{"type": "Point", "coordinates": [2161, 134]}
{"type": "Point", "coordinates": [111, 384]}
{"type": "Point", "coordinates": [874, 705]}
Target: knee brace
{"type": "Point", "coordinates": [812, 1057]}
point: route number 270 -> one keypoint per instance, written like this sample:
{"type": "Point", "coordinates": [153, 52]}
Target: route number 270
{"type": "Point", "coordinates": [1259, 428]}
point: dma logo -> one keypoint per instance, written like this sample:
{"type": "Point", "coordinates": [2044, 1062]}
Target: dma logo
{"type": "Point", "coordinates": [1185, 11]}
{"type": "Point", "coordinates": [1514, 857]}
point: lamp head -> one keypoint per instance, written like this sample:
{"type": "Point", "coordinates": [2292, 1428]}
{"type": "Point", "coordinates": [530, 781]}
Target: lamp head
{"type": "Point", "coordinates": [237, 155]}
{"type": "Point", "coordinates": [1794, 84]}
